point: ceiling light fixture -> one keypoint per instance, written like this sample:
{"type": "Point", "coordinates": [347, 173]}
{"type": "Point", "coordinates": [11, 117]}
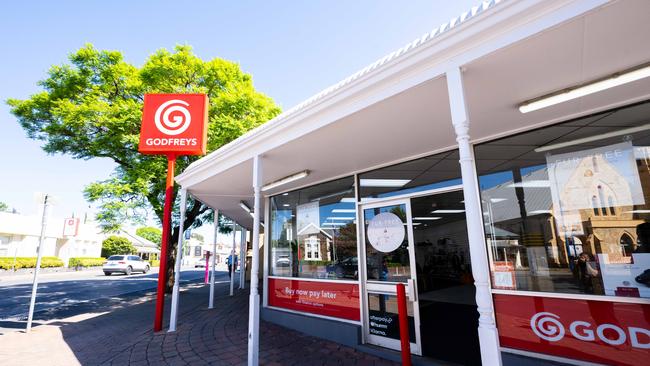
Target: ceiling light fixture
{"type": "Point", "coordinates": [584, 140]}
{"type": "Point", "coordinates": [427, 218]}
{"type": "Point", "coordinates": [343, 210]}
{"type": "Point", "coordinates": [285, 180]}
{"type": "Point", "coordinates": [530, 184]}
{"type": "Point", "coordinates": [582, 90]}
{"type": "Point", "coordinates": [330, 195]}
{"type": "Point", "coordinates": [383, 183]}
{"type": "Point", "coordinates": [348, 200]}
{"type": "Point", "coordinates": [339, 218]}
{"type": "Point", "coordinates": [447, 211]}
{"type": "Point", "coordinates": [244, 207]}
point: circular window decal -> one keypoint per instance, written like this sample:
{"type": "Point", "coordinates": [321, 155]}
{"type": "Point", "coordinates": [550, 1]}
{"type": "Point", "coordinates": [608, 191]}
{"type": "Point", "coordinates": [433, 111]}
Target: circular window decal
{"type": "Point", "coordinates": [386, 232]}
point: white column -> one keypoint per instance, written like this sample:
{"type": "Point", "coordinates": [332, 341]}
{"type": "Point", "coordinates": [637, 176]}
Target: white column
{"type": "Point", "coordinates": [173, 317]}
{"type": "Point", "coordinates": [215, 213]}
{"type": "Point", "coordinates": [487, 330]}
{"type": "Point", "coordinates": [254, 302]}
{"type": "Point", "coordinates": [233, 253]}
{"type": "Point", "coordinates": [242, 259]}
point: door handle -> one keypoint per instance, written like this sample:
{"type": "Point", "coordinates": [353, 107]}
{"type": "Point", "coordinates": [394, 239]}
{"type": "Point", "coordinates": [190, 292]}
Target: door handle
{"type": "Point", "coordinates": [413, 293]}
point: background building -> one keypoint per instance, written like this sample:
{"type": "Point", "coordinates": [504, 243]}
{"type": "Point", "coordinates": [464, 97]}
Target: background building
{"type": "Point", "coordinates": [19, 236]}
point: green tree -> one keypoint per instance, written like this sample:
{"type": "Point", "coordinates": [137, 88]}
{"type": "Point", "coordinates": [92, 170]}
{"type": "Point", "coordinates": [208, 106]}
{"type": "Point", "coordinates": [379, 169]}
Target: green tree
{"type": "Point", "coordinates": [4, 207]}
{"type": "Point", "coordinates": [153, 234]}
{"type": "Point", "coordinates": [92, 108]}
{"type": "Point", "coordinates": [116, 245]}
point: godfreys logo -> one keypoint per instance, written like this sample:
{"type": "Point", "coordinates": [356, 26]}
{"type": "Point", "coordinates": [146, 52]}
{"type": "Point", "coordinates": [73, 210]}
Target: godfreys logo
{"type": "Point", "coordinates": [174, 124]}
{"type": "Point", "coordinates": [548, 326]}
{"type": "Point", "coordinates": [172, 117]}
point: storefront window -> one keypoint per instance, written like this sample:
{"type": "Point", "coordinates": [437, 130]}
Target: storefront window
{"type": "Point", "coordinates": [314, 232]}
{"type": "Point", "coordinates": [567, 208]}
{"type": "Point", "coordinates": [431, 172]}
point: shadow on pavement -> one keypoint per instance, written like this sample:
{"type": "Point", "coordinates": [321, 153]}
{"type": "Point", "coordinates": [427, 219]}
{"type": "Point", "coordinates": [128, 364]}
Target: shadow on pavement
{"type": "Point", "coordinates": [61, 299]}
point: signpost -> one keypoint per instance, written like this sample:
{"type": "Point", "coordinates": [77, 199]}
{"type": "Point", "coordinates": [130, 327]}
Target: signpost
{"type": "Point", "coordinates": [172, 125]}
{"type": "Point", "coordinates": [39, 255]}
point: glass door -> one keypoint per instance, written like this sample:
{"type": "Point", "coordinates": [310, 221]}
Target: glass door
{"type": "Point", "coordinates": [388, 258]}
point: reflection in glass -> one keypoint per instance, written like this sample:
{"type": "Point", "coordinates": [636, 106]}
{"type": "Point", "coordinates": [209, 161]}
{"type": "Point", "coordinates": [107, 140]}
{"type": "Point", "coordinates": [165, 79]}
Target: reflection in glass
{"type": "Point", "coordinates": [567, 207]}
{"type": "Point", "coordinates": [313, 232]}
{"type": "Point", "coordinates": [431, 172]}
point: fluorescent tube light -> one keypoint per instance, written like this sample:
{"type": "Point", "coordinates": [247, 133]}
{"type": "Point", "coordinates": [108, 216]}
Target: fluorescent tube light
{"type": "Point", "coordinates": [586, 89]}
{"type": "Point", "coordinates": [334, 223]}
{"type": "Point", "coordinates": [245, 207]}
{"type": "Point", "coordinates": [344, 210]}
{"type": "Point", "coordinates": [340, 218]}
{"type": "Point", "coordinates": [383, 182]}
{"type": "Point", "coordinates": [330, 195]}
{"type": "Point", "coordinates": [530, 184]}
{"type": "Point", "coordinates": [447, 211]}
{"type": "Point", "coordinates": [638, 211]}
{"type": "Point", "coordinates": [496, 200]}
{"type": "Point", "coordinates": [584, 140]}
{"type": "Point", "coordinates": [286, 205]}
{"type": "Point", "coordinates": [286, 180]}
{"type": "Point", "coordinates": [348, 200]}
{"type": "Point", "coordinates": [427, 218]}
{"type": "Point", "coordinates": [538, 212]}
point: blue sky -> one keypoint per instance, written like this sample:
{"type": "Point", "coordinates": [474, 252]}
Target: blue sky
{"type": "Point", "coordinates": [292, 49]}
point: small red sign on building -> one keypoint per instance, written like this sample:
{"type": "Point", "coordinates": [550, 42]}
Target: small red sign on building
{"type": "Point", "coordinates": [503, 276]}
{"type": "Point", "coordinates": [174, 124]}
{"type": "Point", "coordinates": [71, 226]}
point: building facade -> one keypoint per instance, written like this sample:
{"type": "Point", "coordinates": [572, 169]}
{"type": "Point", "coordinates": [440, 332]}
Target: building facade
{"type": "Point", "coordinates": [20, 234]}
{"type": "Point", "coordinates": [498, 167]}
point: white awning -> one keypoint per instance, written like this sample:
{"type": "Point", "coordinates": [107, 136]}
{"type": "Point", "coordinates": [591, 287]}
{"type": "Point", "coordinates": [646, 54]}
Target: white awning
{"type": "Point", "coordinates": [398, 107]}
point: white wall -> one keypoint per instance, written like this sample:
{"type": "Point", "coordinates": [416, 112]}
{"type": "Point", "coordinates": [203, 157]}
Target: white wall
{"type": "Point", "coordinates": [19, 235]}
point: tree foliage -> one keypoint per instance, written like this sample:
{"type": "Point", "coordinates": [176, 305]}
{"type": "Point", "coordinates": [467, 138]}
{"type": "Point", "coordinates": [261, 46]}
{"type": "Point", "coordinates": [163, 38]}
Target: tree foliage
{"type": "Point", "coordinates": [4, 207]}
{"type": "Point", "coordinates": [92, 108]}
{"type": "Point", "coordinates": [153, 234]}
{"type": "Point", "coordinates": [114, 245]}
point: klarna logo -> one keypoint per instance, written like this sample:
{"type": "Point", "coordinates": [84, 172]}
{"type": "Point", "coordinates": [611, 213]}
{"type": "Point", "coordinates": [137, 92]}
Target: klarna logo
{"type": "Point", "coordinates": [548, 326]}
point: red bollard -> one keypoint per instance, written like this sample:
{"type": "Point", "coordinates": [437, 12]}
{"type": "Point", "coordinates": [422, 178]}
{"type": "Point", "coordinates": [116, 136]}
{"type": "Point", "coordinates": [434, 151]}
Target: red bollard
{"type": "Point", "coordinates": [207, 261]}
{"type": "Point", "coordinates": [403, 325]}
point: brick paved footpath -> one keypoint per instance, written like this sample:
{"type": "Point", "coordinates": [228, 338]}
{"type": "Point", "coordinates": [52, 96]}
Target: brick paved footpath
{"type": "Point", "coordinates": [204, 337]}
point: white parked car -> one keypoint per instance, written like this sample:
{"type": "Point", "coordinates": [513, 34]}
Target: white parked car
{"type": "Point", "coordinates": [126, 264]}
{"type": "Point", "coordinates": [200, 263]}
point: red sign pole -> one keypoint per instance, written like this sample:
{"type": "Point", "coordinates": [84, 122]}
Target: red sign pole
{"type": "Point", "coordinates": [167, 215]}
{"type": "Point", "coordinates": [403, 325]}
{"type": "Point", "coordinates": [207, 266]}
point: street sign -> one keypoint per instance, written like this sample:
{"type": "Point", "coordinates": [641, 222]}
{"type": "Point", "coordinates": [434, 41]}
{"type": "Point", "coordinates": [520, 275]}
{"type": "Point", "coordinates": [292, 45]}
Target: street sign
{"type": "Point", "coordinates": [70, 226]}
{"type": "Point", "coordinates": [174, 124]}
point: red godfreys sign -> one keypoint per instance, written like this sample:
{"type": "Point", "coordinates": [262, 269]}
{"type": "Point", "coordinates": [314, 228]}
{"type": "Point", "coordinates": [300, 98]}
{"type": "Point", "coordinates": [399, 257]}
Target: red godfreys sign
{"type": "Point", "coordinates": [605, 332]}
{"type": "Point", "coordinates": [174, 124]}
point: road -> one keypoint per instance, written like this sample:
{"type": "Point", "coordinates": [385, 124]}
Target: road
{"type": "Point", "coordinates": [62, 295]}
